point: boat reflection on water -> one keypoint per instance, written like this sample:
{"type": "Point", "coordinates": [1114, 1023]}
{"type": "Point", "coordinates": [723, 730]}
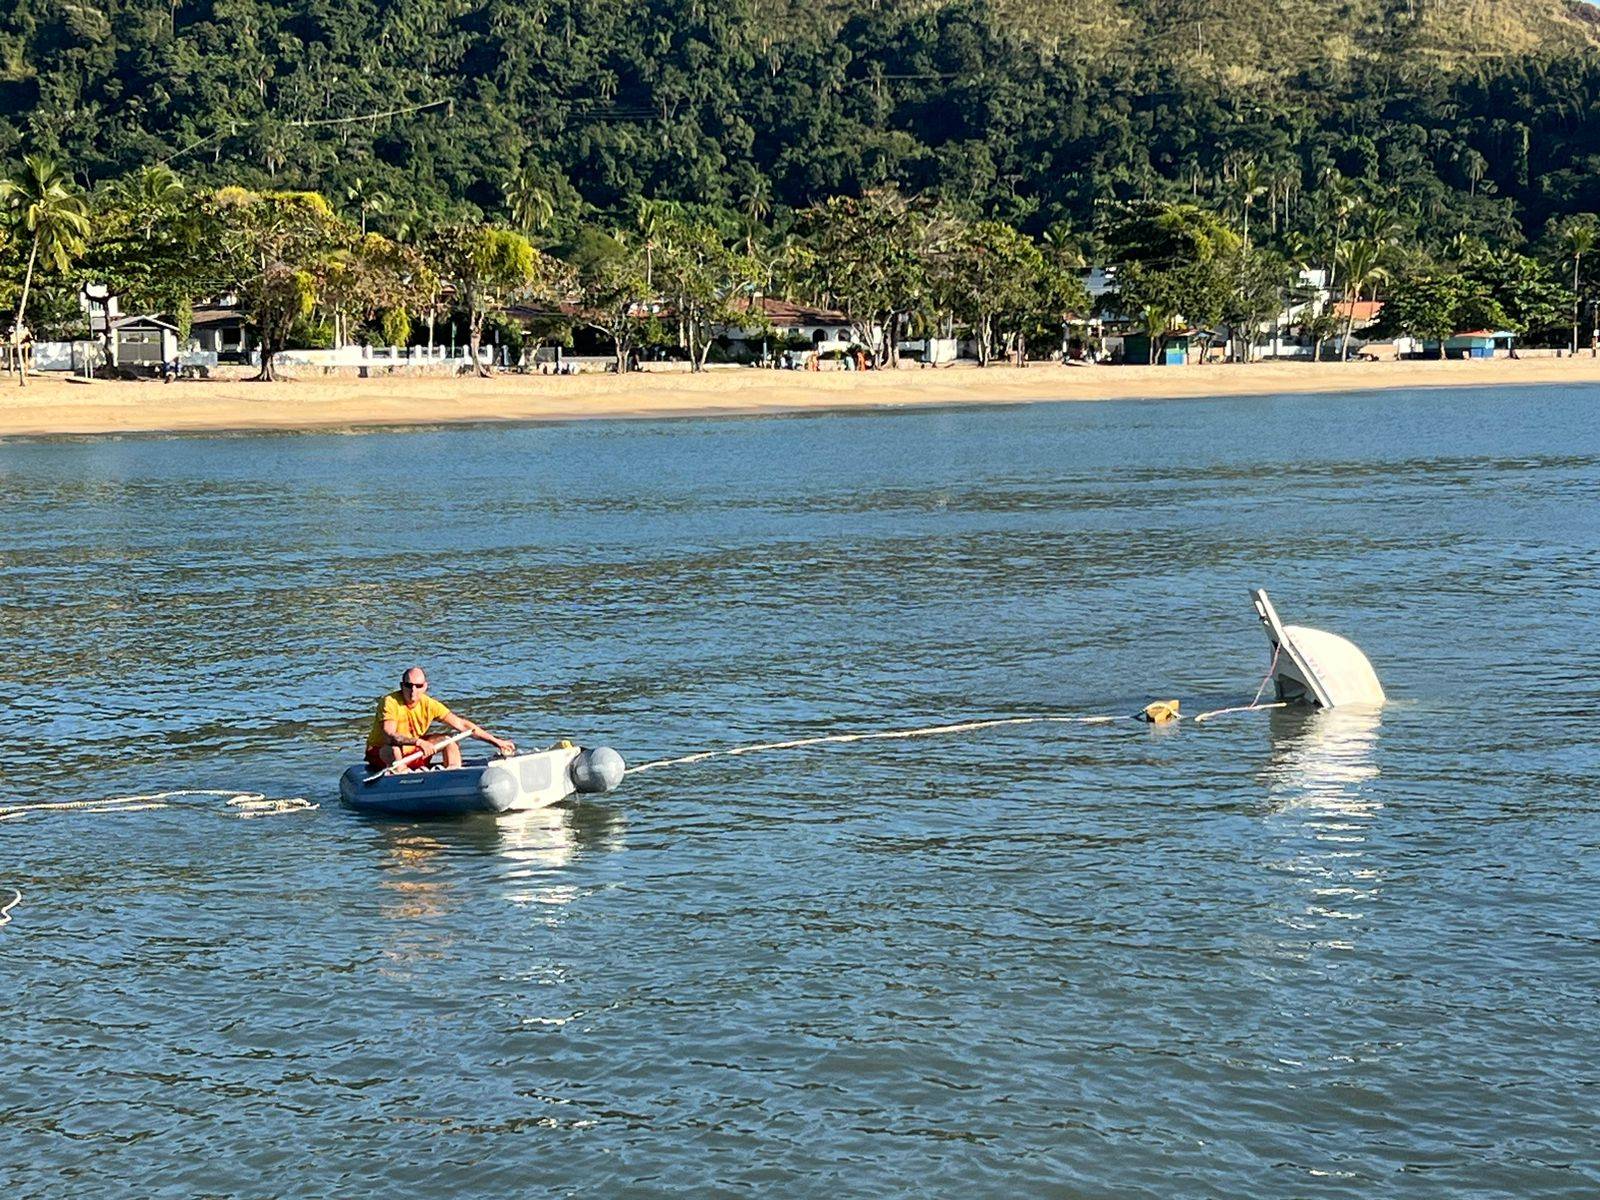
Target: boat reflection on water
{"type": "Point", "coordinates": [531, 852]}
{"type": "Point", "coordinates": [539, 845]}
{"type": "Point", "coordinates": [1320, 795]}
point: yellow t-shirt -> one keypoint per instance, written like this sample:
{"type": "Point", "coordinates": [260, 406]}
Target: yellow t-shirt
{"type": "Point", "coordinates": [410, 720]}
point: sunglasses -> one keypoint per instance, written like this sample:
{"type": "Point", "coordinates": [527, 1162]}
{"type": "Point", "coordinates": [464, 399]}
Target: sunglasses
{"type": "Point", "coordinates": [414, 686]}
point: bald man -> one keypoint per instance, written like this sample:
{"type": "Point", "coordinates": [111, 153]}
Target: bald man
{"type": "Point", "coordinates": [402, 723]}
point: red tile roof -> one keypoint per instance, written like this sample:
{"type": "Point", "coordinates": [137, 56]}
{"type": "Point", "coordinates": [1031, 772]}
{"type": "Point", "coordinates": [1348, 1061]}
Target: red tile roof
{"type": "Point", "coordinates": [1366, 311]}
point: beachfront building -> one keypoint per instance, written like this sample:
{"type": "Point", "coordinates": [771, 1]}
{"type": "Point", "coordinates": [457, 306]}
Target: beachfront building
{"type": "Point", "coordinates": [795, 327]}
{"type": "Point", "coordinates": [1173, 353]}
{"type": "Point", "coordinates": [1474, 343]}
{"type": "Point", "coordinates": [143, 343]}
{"type": "Point", "coordinates": [220, 328]}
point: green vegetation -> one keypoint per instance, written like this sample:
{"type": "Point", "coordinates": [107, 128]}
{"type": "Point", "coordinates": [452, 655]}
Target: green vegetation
{"type": "Point", "coordinates": [372, 168]}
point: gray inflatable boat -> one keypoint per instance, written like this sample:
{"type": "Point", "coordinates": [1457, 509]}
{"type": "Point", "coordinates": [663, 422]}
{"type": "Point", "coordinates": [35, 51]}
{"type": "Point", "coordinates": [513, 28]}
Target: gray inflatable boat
{"type": "Point", "coordinates": [500, 785]}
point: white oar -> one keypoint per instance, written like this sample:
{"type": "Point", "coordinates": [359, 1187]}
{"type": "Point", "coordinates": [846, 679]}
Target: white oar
{"type": "Point", "coordinates": [400, 762]}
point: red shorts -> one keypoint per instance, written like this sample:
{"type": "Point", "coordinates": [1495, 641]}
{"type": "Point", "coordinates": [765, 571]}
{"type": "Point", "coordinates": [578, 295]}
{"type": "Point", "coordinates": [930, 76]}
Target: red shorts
{"type": "Point", "coordinates": [377, 764]}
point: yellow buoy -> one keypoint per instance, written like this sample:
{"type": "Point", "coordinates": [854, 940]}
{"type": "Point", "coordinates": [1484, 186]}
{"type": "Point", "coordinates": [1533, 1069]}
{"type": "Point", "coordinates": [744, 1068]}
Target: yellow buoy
{"type": "Point", "coordinates": [1161, 712]}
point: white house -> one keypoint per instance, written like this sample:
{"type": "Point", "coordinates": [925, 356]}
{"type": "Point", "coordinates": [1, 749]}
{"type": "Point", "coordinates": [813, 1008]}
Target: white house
{"type": "Point", "coordinates": [824, 328]}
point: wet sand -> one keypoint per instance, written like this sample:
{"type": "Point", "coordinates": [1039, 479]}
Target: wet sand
{"type": "Point", "coordinates": [51, 405]}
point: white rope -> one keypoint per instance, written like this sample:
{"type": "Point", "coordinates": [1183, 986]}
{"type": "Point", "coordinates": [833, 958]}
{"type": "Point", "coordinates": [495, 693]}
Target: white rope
{"type": "Point", "coordinates": [1217, 712]}
{"type": "Point", "coordinates": [244, 804]}
{"type": "Point", "coordinates": [925, 731]}
{"type": "Point", "coordinates": [5, 910]}
{"type": "Point", "coordinates": [1255, 704]}
{"type": "Point", "coordinates": [1272, 669]}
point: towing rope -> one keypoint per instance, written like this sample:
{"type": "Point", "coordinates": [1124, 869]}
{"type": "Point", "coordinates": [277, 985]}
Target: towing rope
{"type": "Point", "coordinates": [934, 730]}
{"type": "Point", "coordinates": [244, 804]}
{"type": "Point", "coordinates": [925, 731]}
{"type": "Point", "coordinates": [5, 910]}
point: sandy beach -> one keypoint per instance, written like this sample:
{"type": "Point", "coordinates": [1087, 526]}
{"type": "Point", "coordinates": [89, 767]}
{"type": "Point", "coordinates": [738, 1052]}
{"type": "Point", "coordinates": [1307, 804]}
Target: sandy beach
{"type": "Point", "coordinates": [52, 405]}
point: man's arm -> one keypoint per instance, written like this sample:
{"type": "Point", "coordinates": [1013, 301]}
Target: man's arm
{"type": "Point", "coordinates": [460, 725]}
{"type": "Point", "coordinates": [391, 732]}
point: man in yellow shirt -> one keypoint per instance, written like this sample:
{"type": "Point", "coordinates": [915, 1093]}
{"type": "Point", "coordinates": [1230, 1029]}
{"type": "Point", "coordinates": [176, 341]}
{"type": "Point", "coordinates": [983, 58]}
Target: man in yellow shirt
{"type": "Point", "coordinates": [402, 723]}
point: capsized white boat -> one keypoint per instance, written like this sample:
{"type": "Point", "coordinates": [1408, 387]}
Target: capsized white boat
{"type": "Point", "coordinates": [1314, 666]}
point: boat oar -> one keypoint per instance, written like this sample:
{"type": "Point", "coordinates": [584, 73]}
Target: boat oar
{"type": "Point", "coordinates": [400, 762]}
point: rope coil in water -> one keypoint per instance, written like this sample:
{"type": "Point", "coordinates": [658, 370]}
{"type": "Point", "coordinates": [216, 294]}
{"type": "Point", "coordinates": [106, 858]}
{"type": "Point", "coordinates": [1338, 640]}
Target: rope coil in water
{"type": "Point", "coordinates": [5, 909]}
{"type": "Point", "coordinates": [244, 804]}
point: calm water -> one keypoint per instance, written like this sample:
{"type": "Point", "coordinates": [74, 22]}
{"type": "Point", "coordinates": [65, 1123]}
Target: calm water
{"type": "Point", "coordinates": [1284, 955]}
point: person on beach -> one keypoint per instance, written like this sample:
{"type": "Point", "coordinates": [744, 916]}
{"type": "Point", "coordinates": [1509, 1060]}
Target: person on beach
{"type": "Point", "coordinates": [402, 723]}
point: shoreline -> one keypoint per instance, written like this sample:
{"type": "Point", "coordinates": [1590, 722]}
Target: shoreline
{"type": "Point", "coordinates": [53, 406]}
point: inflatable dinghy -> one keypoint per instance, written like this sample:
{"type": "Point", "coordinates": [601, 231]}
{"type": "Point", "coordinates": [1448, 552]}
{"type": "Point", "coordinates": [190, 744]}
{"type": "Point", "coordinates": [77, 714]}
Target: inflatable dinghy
{"type": "Point", "coordinates": [1315, 667]}
{"type": "Point", "coordinates": [500, 785]}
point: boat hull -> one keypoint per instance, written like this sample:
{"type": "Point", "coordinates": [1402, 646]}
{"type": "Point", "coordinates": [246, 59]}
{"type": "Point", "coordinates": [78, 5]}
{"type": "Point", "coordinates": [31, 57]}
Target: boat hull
{"type": "Point", "coordinates": [1315, 667]}
{"type": "Point", "coordinates": [516, 784]}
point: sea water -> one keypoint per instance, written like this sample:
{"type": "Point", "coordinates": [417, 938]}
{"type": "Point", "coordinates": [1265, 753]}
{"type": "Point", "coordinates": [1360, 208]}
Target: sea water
{"type": "Point", "coordinates": [1279, 954]}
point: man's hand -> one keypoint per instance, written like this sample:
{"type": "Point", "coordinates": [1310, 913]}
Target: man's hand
{"type": "Point", "coordinates": [507, 749]}
{"type": "Point", "coordinates": [423, 747]}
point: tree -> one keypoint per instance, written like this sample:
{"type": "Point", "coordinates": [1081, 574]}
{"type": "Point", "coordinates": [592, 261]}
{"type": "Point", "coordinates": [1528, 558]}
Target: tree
{"type": "Point", "coordinates": [486, 265]}
{"type": "Point", "coordinates": [1172, 259]}
{"type": "Point", "coordinates": [531, 206]}
{"type": "Point", "coordinates": [1361, 266]}
{"type": "Point", "coordinates": [1432, 305]}
{"type": "Point", "coordinates": [366, 196]}
{"type": "Point", "coordinates": [705, 282]}
{"type": "Point", "coordinates": [1528, 294]}
{"type": "Point", "coordinates": [375, 277]}
{"type": "Point", "coordinates": [148, 247]}
{"type": "Point", "coordinates": [1259, 282]}
{"type": "Point", "coordinates": [1252, 186]}
{"type": "Point", "coordinates": [1577, 237]}
{"type": "Point", "coordinates": [1158, 320]}
{"type": "Point", "coordinates": [153, 195]}
{"type": "Point", "coordinates": [999, 282]}
{"type": "Point", "coordinates": [870, 256]}
{"type": "Point", "coordinates": [273, 249]}
{"type": "Point", "coordinates": [755, 206]}
{"type": "Point", "coordinates": [53, 219]}
{"type": "Point", "coordinates": [1319, 324]}
{"type": "Point", "coordinates": [651, 221]}
{"type": "Point", "coordinates": [613, 291]}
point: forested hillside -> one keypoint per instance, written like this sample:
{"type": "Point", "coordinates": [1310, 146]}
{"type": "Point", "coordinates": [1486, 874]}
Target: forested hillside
{"type": "Point", "coordinates": [1475, 117]}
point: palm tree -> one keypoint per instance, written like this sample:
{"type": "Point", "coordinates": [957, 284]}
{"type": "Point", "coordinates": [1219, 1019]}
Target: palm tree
{"type": "Point", "coordinates": [1360, 261]}
{"type": "Point", "coordinates": [1158, 321]}
{"type": "Point", "coordinates": [364, 194]}
{"type": "Point", "coordinates": [651, 218]}
{"type": "Point", "coordinates": [1577, 239]}
{"type": "Point", "coordinates": [1476, 167]}
{"type": "Point", "coordinates": [1063, 247]}
{"type": "Point", "coordinates": [757, 206]}
{"type": "Point", "coordinates": [55, 215]}
{"type": "Point", "coordinates": [531, 206]}
{"type": "Point", "coordinates": [151, 192]}
{"type": "Point", "coordinates": [1252, 186]}
{"type": "Point", "coordinates": [1300, 253]}
{"type": "Point", "coordinates": [1460, 244]}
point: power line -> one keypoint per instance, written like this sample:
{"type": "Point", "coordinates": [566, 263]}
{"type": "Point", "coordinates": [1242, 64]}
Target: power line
{"type": "Point", "coordinates": [307, 122]}
{"type": "Point", "coordinates": [377, 116]}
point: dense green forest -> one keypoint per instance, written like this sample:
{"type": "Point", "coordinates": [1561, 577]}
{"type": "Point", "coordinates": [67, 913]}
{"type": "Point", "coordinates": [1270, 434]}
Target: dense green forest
{"type": "Point", "coordinates": [1301, 125]}
{"type": "Point", "coordinates": [1479, 118]}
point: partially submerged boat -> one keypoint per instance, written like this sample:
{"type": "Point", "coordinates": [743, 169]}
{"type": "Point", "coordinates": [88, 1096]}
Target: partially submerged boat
{"type": "Point", "coordinates": [1316, 667]}
{"type": "Point", "coordinates": [499, 785]}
